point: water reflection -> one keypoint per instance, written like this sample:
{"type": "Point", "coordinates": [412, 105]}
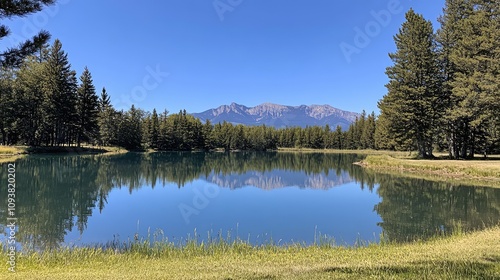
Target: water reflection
{"type": "Point", "coordinates": [58, 194]}
{"type": "Point", "coordinates": [419, 209]}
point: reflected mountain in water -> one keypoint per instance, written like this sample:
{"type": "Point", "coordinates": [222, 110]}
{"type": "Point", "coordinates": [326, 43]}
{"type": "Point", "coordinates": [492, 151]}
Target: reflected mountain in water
{"type": "Point", "coordinates": [280, 179]}
{"type": "Point", "coordinates": [58, 194]}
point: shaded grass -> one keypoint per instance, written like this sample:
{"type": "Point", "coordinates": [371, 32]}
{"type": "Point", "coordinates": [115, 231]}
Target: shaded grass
{"type": "Point", "coordinates": [461, 256]}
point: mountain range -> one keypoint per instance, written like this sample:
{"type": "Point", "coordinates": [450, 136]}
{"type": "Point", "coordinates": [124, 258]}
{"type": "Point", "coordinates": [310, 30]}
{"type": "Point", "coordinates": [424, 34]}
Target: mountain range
{"type": "Point", "coordinates": [279, 116]}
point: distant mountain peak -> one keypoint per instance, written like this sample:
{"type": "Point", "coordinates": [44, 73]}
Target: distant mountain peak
{"type": "Point", "coordinates": [279, 116]}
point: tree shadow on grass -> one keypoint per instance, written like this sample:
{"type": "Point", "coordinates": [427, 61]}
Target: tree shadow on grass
{"type": "Point", "coordinates": [489, 269]}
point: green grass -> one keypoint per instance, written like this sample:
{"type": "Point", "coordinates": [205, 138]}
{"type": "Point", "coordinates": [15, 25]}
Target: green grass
{"type": "Point", "coordinates": [484, 170]}
{"type": "Point", "coordinates": [461, 256]}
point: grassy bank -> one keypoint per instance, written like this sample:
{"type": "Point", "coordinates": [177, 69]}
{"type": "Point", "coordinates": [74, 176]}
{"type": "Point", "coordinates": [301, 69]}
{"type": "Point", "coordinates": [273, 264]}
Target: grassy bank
{"type": "Point", "coordinates": [461, 256]}
{"type": "Point", "coordinates": [12, 153]}
{"type": "Point", "coordinates": [482, 170]}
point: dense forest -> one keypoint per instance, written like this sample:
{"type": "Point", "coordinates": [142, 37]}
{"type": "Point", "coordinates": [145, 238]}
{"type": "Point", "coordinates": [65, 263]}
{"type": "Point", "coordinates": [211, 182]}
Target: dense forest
{"type": "Point", "coordinates": [443, 95]}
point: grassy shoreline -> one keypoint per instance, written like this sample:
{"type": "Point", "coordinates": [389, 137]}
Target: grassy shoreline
{"type": "Point", "coordinates": [477, 172]}
{"type": "Point", "coordinates": [12, 153]}
{"type": "Point", "coordinates": [460, 256]}
{"type": "Point", "coordinates": [481, 171]}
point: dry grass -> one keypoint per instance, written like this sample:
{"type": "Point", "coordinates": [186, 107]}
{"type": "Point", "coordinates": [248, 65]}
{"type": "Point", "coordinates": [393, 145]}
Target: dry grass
{"type": "Point", "coordinates": [12, 150]}
{"type": "Point", "coordinates": [461, 256]}
{"type": "Point", "coordinates": [484, 170]}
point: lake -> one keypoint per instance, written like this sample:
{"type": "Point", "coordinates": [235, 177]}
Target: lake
{"type": "Point", "coordinates": [262, 198]}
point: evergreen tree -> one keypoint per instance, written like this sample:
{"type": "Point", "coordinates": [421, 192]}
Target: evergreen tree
{"type": "Point", "coordinates": [108, 126]}
{"type": "Point", "coordinates": [10, 9]}
{"type": "Point", "coordinates": [154, 131]}
{"type": "Point", "coordinates": [207, 132]}
{"type": "Point", "coordinates": [358, 127]}
{"type": "Point", "coordinates": [29, 92]}
{"type": "Point", "coordinates": [237, 139]}
{"type": "Point", "coordinates": [60, 97]}
{"type": "Point", "coordinates": [87, 109]}
{"type": "Point", "coordinates": [475, 87]}
{"type": "Point", "coordinates": [338, 138]}
{"type": "Point", "coordinates": [368, 134]}
{"type": "Point", "coordinates": [327, 137]}
{"type": "Point", "coordinates": [410, 104]}
{"type": "Point", "coordinates": [104, 100]}
{"type": "Point", "coordinates": [107, 121]}
{"type": "Point", "coordinates": [447, 38]}
{"type": "Point", "coordinates": [7, 110]}
{"type": "Point", "coordinates": [130, 129]}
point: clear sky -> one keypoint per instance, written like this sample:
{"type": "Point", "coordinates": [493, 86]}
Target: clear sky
{"type": "Point", "coordinates": [199, 54]}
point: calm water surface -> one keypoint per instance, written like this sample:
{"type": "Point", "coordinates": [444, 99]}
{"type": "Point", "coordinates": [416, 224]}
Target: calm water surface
{"type": "Point", "coordinates": [259, 197]}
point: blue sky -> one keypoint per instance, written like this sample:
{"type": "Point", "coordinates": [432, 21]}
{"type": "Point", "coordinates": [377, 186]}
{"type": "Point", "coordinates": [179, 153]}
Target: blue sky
{"type": "Point", "coordinates": [199, 54]}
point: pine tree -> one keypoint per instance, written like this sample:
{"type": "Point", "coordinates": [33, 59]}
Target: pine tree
{"type": "Point", "coordinates": [410, 104]}
{"type": "Point", "coordinates": [338, 138]}
{"type": "Point", "coordinates": [104, 100]}
{"type": "Point", "coordinates": [107, 121]}
{"type": "Point", "coordinates": [447, 37]}
{"type": "Point", "coordinates": [207, 131]}
{"type": "Point", "coordinates": [368, 135]}
{"type": "Point", "coordinates": [9, 9]}
{"type": "Point", "coordinates": [87, 109]}
{"type": "Point", "coordinates": [7, 108]}
{"type": "Point", "coordinates": [154, 131]}
{"type": "Point", "coordinates": [60, 97]}
{"type": "Point", "coordinates": [129, 135]}
{"type": "Point", "coordinates": [359, 126]}
{"type": "Point", "coordinates": [475, 87]}
{"type": "Point", "coordinates": [383, 138]}
{"type": "Point", "coordinates": [29, 92]}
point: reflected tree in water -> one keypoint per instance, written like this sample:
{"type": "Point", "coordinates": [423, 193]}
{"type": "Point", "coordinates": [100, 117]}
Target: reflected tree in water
{"type": "Point", "coordinates": [57, 194]}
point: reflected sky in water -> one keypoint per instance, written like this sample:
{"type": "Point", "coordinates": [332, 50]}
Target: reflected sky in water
{"type": "Point", "coordinates": [283, 197]}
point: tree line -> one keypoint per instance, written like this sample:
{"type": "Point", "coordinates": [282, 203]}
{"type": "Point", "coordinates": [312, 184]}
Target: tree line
{"type": "Point", "coordinates": [43, 104]}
